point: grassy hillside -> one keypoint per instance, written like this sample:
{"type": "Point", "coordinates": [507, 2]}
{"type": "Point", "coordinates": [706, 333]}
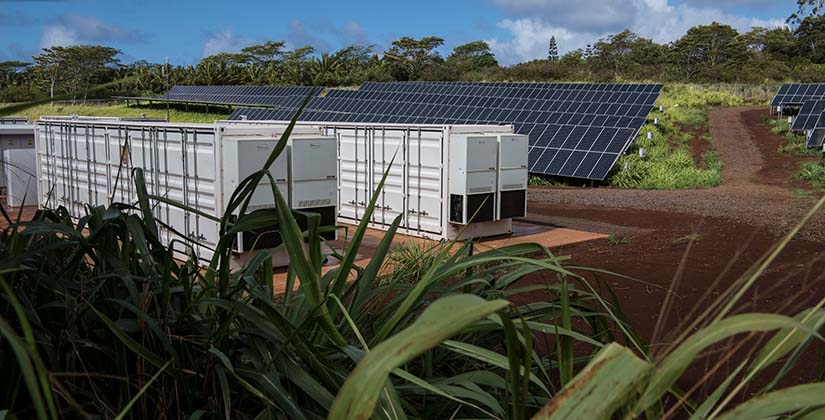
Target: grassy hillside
{"type": "Point", "coordinates": [175, 115]}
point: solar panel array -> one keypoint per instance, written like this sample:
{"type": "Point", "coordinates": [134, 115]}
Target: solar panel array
{"type": "Point", "coordinates": [236, 95]}
{"type": "Point", "coordinates": [808, 115]}
{"type": "Point", "coordinates": [576, 130]}
{"type": "Point", "coordinates": [796, 94]}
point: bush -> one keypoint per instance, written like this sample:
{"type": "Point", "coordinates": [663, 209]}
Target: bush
{"type": "Point", "coordinates": [813, 173]}
{"type": "Point", "coordinates": [795, 144]}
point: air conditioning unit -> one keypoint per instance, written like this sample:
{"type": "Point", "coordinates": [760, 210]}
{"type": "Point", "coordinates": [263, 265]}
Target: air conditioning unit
{"type": "Point", "coordinates": [512, 176]}
{"type": "Point", "coordinates": [313, 184]}
{"type": "Point", "coordinates": [244, 156]}
{"type": "Point", "coordinates": [473, 174]}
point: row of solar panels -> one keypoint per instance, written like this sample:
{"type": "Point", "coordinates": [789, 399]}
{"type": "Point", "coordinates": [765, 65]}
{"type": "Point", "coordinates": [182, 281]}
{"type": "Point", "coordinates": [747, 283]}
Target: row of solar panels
{"type": "Point", "coordinates": [796, 94]}
{"type": "Point", "coordinates": [810, 98]}
{"type": "Point", "coordinates": [451, 87]}
{"type": "Point", "coordinates": [581, 138]}
{"type": "Point", "coordinates": [245, 90]}
{"type": "Point", "coordinates": [581, 113]}
{"type": "Point", "coordinates": [646, 98]}
{"type": "Point", "coordinates": [571, 150]}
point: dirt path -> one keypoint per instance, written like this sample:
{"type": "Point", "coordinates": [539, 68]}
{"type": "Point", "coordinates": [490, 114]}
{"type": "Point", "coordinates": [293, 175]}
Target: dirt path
{"type": "Point", "coordinates": [741, 158]}
{"type": "Point", "coordinates": [747, 196]}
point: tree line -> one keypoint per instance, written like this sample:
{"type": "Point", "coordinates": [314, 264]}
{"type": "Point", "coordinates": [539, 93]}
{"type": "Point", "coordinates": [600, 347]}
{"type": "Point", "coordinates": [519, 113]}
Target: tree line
{"type": "Point", "coordinates": [705, 54]}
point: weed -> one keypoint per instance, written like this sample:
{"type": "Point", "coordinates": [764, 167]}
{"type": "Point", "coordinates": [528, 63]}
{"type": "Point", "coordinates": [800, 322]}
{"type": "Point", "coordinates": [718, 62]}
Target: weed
{"type": "Point", "coordinates": [802, 193]}
{"type": "Point", "coordinates": [693, 237]}
{"type": "Point", "coordinates": [616, 239]}
{"type": "Point", "coordinates": [813, 173]}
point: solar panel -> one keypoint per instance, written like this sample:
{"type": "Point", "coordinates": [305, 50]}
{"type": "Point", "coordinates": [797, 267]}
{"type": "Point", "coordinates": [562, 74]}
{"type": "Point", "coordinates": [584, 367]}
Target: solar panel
{"type": "Point", "coordinates": [796, 94]}
{"type": "Point", "coordinates": [817, 134]}
{"type": "Point", "coordinates": [575, 130]}
{"type": "Point", "coordinates": [808, 115]}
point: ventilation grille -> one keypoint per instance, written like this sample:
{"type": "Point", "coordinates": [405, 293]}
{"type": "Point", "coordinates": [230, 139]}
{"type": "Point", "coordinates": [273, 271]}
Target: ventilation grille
{"type": "Point", "coordinates": [476, 190]}
{"type": "Point", "coordinates": [254, 207]}
{"type": "Point", "coordinates": [315, 203]}
{"type": "Point", "coordinates": [512, 187]}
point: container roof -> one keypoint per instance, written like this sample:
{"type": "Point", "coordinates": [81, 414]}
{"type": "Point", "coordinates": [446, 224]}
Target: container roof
{"type": "Point", "coordinates": [16, 129]}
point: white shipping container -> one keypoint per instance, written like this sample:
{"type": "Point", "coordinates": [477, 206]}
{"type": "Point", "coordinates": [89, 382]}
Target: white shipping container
{"type": "Point", "coordinates": [418, 183]}
{"type": "Point", "coordinates": [82, 163]}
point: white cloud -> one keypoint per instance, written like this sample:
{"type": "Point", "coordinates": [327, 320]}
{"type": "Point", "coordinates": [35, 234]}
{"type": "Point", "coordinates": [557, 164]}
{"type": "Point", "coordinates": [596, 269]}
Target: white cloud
{"type": "Point", "coordinates": [76, 29]}
{"type": "Point", "coordinates": [225, 41]}
{"type": "Point", "coordinates": [656, 19]}
{"type": "Point", "coordinates": [581, 15]}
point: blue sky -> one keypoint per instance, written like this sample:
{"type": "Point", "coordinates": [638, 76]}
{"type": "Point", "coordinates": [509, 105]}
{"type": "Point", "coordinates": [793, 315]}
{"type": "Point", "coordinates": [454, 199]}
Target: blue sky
{"type": "Point", "coordinates": [517, 30]}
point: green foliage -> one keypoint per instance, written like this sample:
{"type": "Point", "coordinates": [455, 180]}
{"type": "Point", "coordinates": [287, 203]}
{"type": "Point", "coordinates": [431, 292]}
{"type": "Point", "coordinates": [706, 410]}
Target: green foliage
{"type": "Point", "coordinates": [74, 68]}
{"type": "Point", "coordinates": [473, 56]}
{"type": "Point", "coordinates": [175, 115]}
{"type": "Point", "coordinates": [796, 144]}
{"type": "Point", "coordinates": [710, 52]}
{"type": "Point", "coordinates": [408, 57]}
{"type": "Point", "coordinates": [669, 162]}
{"type": "Point", "coordinates": [553, 49]}
{"type": "Point", "coordinates": [813, 173]}
{"type": "Point", "coordinates": [409, 261]}
{"type": "Point", "coordinates": [616, 239]}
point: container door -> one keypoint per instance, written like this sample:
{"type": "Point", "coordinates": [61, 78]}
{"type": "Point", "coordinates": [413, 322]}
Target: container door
{"type": "Point", "coordinates": [388, 148]}
{"type": "Point", "coordinates": [424, 175]}
{"type": "Point", "coordinates": [353, 195]}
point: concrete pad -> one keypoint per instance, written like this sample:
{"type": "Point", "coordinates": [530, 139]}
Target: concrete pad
{"type": "Point", "coordinates": [548, 236]}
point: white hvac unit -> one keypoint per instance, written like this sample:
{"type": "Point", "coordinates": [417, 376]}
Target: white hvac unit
{"type": "Point", "coordinates": [418, 161]}
{"type": "Point", "coordinates": [18, 172]}
{"type": "Point", "coordinates": [313, 177]}
{"type": "Point", "coordinates": [512, 176]}
{"type": "Point", "coordinates": [473, 178]}
{"type": "Point", "coordinates": [82, 163]}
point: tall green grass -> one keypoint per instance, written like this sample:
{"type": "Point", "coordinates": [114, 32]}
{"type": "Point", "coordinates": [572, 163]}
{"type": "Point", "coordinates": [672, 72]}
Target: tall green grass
{"type": "Point", "coordinates": [175, 114]}
{"type": "Point", "coordinates": [796, 144]}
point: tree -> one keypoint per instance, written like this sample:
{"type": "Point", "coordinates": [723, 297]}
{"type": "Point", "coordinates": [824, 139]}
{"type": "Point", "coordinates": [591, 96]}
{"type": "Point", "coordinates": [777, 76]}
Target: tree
{"type": "Point", "coordinates": [811, 37]}
{"type": "Point", "coordinates": [75, 68]}
{"type": "Point", "coordinates": [805, 9]}
{"type": "Point", "coordinates": [11, 72]}
{"type": "Point", "coordinates": [473, 56]}
{"type": "Point", "coordinates": [553, 50]}
{"type": "Point", "coordinates": [409, 56]}
{"type": "Point", "coordinates": [267, 53]}
{"type": "Point", "coordinates": [611, 52]}
{"type": "Point", "coordinates": [709, 51]}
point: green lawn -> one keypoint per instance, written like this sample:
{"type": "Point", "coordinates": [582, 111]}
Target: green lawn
{"type": "Point", "coordinates": [175, 115]}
